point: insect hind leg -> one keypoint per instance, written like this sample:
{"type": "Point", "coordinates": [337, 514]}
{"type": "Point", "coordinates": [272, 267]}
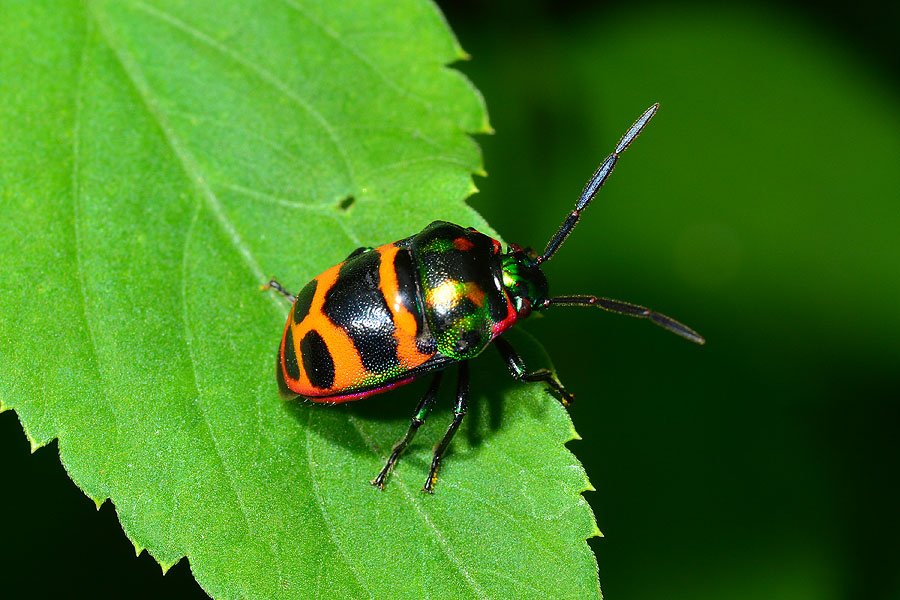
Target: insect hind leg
{"type": "Point", "coordinates": [274, 285]}
{"type": "Point", "coordinates": [459, 411]}
{"type": "Point", "coordinates": [417, 420]}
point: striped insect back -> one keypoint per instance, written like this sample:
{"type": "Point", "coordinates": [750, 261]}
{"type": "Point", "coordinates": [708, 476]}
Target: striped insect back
{"type": "Point", "coordinates": [313, 346]}
{"type": "Point", "coordinates": [356, 305]}
{"type": "Point", "coordinates": [402, 292]}
{"type": "Point", "coordinates": [355, 326]}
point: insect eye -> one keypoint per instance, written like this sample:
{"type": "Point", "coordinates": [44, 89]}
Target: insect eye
{"type": "Point", "coordinates": [524, 308]}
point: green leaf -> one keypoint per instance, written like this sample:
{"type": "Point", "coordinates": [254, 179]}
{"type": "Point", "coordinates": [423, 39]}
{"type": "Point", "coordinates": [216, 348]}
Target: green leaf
{"type": "Point", "coordinates": [160, 161]}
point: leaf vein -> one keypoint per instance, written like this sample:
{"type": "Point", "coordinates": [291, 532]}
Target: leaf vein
{"type": "Point", "coordinates": [400, 164]}
{"type": "Point", "coordinates": [273, 199]}
{"type": "Point", "coordinates": [244, 133]}
{"type": "Point", "coordinates": [438, 534]}
{"type": "Point", "coordinates": [262, 74]}
{"type": "Point", "coordinates": [77, 222]}
{"type": "Point", "coordinates": [196, 402]}
{"type": "Point", "coordinates": [494, 508]}
{"type": "Point", "coordinates": [392, 83]}
{"type": "Point", "coordinates": [185, 158]}
{"type": "Point", "coordinates": [192, 171]}
{"type": "Point", "coordinates": [320, 503]}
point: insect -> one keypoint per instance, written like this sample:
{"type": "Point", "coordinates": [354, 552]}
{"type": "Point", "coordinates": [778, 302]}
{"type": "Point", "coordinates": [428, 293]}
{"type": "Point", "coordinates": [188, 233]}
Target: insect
{"type": "Point", "coordinates": [390, 314]}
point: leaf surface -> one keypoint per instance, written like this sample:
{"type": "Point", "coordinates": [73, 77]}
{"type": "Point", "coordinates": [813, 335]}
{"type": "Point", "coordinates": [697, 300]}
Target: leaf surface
{"type": "Point", "coordinates": [162, 160]}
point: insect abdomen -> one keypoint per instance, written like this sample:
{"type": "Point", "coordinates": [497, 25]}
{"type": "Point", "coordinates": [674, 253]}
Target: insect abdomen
{"type": "Point", "coordinates": [356, 329]}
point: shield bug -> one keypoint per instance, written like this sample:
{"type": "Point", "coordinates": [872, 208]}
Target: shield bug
{"type": "Point", "coordinates": [387, 315]}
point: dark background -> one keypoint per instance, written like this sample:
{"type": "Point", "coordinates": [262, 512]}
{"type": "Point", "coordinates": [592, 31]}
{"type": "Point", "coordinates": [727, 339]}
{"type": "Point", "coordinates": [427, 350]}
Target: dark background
{"type": "Point", "coordinates": [761, 206]}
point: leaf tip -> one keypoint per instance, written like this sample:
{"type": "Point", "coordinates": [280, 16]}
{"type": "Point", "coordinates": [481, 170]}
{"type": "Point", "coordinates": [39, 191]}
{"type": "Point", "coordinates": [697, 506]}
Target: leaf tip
{"type": "Point", "coordinates": [35, 444]}
{"type": "Point", "coordinates": [460, 52]}
{"type": "Point", "coordinates": [165, 566]}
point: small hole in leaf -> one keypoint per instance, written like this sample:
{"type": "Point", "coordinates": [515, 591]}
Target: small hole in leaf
{"type": "Point", "coordinates": [346, 203]}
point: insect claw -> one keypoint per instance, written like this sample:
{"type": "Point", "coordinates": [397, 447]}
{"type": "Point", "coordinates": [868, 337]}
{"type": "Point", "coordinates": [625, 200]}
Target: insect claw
{"type": "Point", "coordinates": [274, 285]}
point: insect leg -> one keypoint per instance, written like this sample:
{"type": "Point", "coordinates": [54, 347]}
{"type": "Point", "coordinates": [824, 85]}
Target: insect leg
{"type": "Point", "coordinates": [517, 369]}
{"type": "Point", "coordinates": [274, 285]}
{"type": "Point", "coordinates": [459, 411]}
{"type": "Point", "coordinates": [418, 418]}
{"type": "Point", "coordinates": [631, 310]}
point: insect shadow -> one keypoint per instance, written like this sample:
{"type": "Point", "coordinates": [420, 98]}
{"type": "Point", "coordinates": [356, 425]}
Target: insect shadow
{"type": "Point", "coordinates": [382, 419]}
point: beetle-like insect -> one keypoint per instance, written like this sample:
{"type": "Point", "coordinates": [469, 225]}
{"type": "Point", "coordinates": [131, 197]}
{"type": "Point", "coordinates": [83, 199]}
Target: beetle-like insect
{"type": "Point", "coordinates": [389, 314]}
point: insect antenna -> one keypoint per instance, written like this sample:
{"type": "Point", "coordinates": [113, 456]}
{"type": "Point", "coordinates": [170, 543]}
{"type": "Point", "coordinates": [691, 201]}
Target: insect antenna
{"type": "Point", "coordinates": [596, 182]}
{"type": "Point", "coordinates": [628, 309]}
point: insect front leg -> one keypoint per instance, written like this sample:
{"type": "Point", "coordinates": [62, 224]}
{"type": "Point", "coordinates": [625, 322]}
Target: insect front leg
{"type": "Point", "coordinates": [418, 418]}
{"type": "Point", "coordinates": [274, 285]}
{"type": "Point", "coordinates": [459, 411]}
{"type": "Point", "coordinates": [517, 369]}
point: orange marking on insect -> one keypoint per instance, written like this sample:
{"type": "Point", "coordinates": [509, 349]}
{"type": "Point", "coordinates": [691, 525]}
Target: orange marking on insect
{"type": "Point", "coordinates": [475, 294]}
{"type": "Point", "coordinates": [463, 244]}
{"type": "Point", "coordinates": [445, 296]}
{"type": "Point", "coordinates": [404, 321]}
{"type": "Point", "coordinates": [348, 368]}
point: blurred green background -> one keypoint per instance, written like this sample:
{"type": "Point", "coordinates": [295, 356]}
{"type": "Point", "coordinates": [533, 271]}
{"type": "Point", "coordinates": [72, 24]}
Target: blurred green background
{"type": "Point", "coordinates": [761, 206]}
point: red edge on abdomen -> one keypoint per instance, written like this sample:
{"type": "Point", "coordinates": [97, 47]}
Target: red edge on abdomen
{"type": "Point", "coordinates": [511, 317]}
{"type": "Point", "coordinates": [358, 395]}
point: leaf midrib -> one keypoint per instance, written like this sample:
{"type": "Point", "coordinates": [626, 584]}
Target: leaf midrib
{"type": "Point", "coordinates": [194, 174]}
{"type": "Point", "coordinates": [263, 74]}
{"type": "Point", "coordinates": [188, 164]}
{"type": "Point", "coordinates": [76, 230]}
